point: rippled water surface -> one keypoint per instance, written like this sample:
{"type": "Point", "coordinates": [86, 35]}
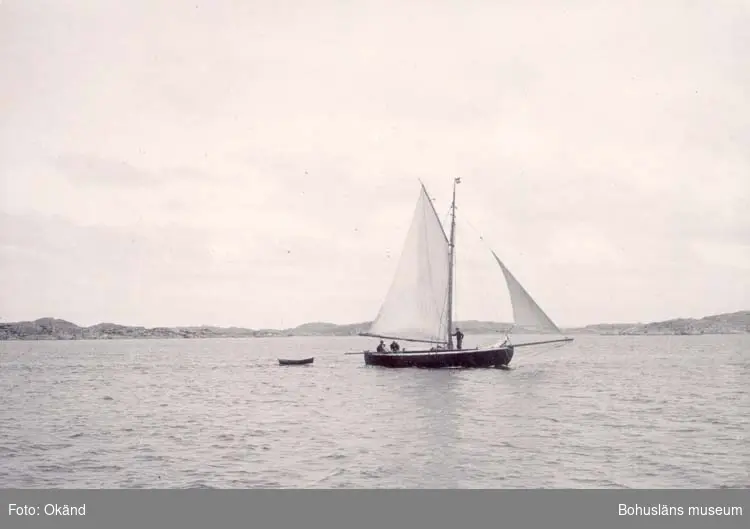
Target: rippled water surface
{"type": "Point", "coordinates": [602, 412]}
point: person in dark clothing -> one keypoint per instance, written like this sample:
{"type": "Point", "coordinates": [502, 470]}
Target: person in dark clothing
{"type": "Point", "coordinates": [459, 338]}
{"type": "Point", "coordinates": [394, 346]}
{"type": "Point", "coordinates": [381, 347]}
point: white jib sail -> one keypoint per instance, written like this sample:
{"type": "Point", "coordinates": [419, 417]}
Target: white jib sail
{"type": "Point", "coordinates": [416, 306]}
{"type": "Point", "coordinates": [528, 317]}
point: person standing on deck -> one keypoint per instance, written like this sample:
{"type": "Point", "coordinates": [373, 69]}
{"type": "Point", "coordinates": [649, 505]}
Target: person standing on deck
{"type": "Point", "coordinates": [381, 347]}
{"type": "Point", "coordinates": [459, 338]}
{"type": "Point", "coordinates": [394, 346]}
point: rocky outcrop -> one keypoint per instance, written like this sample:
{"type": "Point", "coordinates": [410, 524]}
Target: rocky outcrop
{"type": "Point", "coordinates": [57, 329]}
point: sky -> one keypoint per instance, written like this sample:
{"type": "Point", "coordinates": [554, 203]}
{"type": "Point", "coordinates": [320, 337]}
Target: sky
{"type": "Point", "coordinates": [257, 163]}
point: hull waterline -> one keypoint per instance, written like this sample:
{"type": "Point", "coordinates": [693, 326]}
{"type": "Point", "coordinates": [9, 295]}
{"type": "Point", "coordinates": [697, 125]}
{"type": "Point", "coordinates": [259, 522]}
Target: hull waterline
{"type": "Point", "coordinates": [470, 358]}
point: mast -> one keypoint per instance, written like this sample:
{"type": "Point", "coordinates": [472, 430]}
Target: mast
{"type": "Point", "coordinates": [451, 263]}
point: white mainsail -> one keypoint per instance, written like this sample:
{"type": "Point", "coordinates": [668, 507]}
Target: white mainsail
{"type": "Point", "coordinates": [416, 306]}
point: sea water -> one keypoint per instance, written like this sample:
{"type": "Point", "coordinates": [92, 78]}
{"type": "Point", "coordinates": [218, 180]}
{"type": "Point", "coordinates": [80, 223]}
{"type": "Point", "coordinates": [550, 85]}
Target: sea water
{"type": "Point", "coordinates": [604, 411]}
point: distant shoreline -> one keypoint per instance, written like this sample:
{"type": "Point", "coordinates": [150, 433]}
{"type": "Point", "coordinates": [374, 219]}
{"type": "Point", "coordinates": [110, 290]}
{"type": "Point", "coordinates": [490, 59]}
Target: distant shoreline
{"type": "Point", "coordinates": [57, 329]}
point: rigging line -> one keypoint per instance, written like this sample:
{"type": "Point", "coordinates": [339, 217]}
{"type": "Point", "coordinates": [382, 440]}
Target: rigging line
{"type": "Point", "coordinates": [429, 272]}
{"type": "Point", "coordinates": [489, 248]}
{"type": "Point", "coordinates": [481, 237]}
{"type": "Point", "coordinates": [479, 234]}
{"type": "Point", "coordinates": [444, 304]}
{"type": "Point", "coordinates": [454, 264]}
{"type": "Point", "coordinates": [542, 350]}
{"type": "Point", "coordinates": [426, 238]}
{"type": "Point", "coordinates": [445, 221]}
{"type": "Point", "coordinates": [455, 282]}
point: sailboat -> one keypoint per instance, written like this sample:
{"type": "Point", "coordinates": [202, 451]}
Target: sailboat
{"type": "Point", "coordinates": [419, 304]}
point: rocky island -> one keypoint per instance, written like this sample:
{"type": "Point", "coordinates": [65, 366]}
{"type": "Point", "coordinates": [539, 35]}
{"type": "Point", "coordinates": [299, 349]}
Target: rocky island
{"type": "Point", "coordinates": [58, 329]}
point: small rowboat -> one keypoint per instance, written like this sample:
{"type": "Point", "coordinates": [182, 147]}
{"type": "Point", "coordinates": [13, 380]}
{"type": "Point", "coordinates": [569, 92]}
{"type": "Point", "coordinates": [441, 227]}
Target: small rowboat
{"type": "Point", "coordinates": [301, 362]}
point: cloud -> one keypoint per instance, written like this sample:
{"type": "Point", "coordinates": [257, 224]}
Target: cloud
{"type": "Point", "coordinates": [88, 169]}
{"type": "Point", "coordinates": [169, 275]}
{"type": "Point", "coordinates": [82, 169]}
{"type": "Point", "coordinates": [276, 151]}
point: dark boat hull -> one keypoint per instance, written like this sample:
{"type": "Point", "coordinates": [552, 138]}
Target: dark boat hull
{"type": "Point", "coordinates": [490, 357]}
{"type": "Point", "coordinates": [302, 362]}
